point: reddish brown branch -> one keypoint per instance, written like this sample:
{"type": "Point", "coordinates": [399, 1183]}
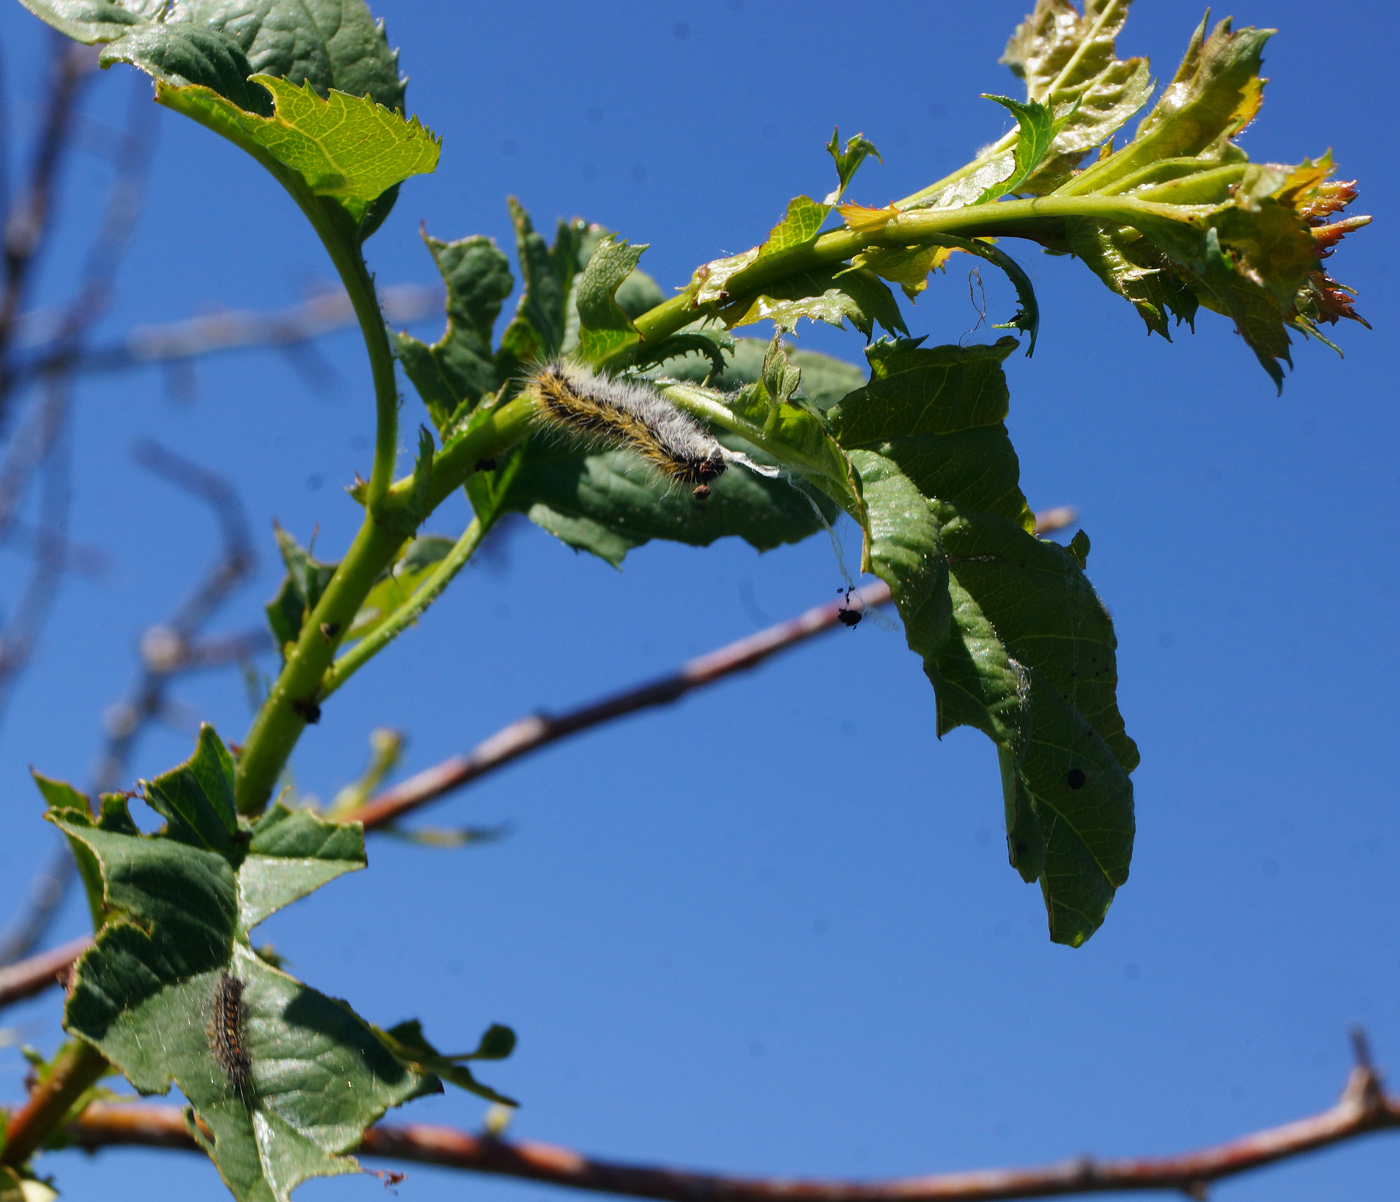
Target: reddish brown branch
{"type": "Point", "coordinates": [539, 730]}
{"type": "Point", "coordinates": [1362, 1109]}
{"type": "Point", "coordinates": [38, 973]}
{"type": "Point", "coordinates": [530, 734]}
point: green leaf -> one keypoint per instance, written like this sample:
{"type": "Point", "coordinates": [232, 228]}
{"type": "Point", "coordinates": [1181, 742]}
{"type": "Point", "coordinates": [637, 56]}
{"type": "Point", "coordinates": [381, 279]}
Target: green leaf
{"type": "Point", "coordinates": [905, 552]}
{"type": "Point", "coordinates": [1026, 650]}
{"type": "Point", "coordinates": [713, 344]}
{"type": "Point", "coordinates": [414, 564]}
{"type": "Point", "coordinates": [825, 380]}
{"type": "Point", "coordinates": [192, 56]}
{"type": "Point", "coordinates": [196, 798]}
{"type": "Point", "coordinates": [60, 795]}
{"type": "Point", "coordinates": [1069, 61]}
{"type": "Point", "coordinates": [345, 147]}
{"type": "Point", "coordinates": [1031, 663]}
{"type": "Point", "coordinates": [831, 295]}
{"type": "Point", "coordinates": [603, 325]}
{"type": "Point", "coordinates": [144, 995]}
{"type": "Point", "coordinates": [537, 332]}
{"type": "Point", "coordinates": [413, 1050]}
{"type": "Point", "coordinates": [293, 853]}
{"type": "Point", "coordinates": [800, 225]}
{"type": "Point", "coordinates": [300, 591]}
{"type": "Point", "coordinates": [326, 43]}
{"type": "Point", "coordinates": [609, 502]}
{"type": "Point", "coordinates": [848, 161]}
{"type": "Point", "coordinates": [459, 367]}
{"type": "Point", "coordinates": [939, 414]}
{"type": "Point", "coordinates": [1038, 128]}
{"type": "Point", "coordinates": [1215, 93]}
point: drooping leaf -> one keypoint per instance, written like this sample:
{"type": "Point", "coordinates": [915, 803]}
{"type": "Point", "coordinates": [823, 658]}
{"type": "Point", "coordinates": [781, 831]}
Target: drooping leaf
{"type": "Point", "coordinates": [345, 147]}
{"type": "Point", "coordinates": [1026, 651]}
{"type": "Point", "coordinates": [939, 414]}
{"type": "Point", "coordinates": [460, 366]}
{"type": "Point", "coordinates": [180, 904]}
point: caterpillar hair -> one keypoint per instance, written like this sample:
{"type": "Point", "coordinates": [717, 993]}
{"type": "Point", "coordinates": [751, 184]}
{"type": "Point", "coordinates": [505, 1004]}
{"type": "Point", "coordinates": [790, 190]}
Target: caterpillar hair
{"type": "Point", "coordinates": [623, 413]}
{"type": "Point", "coordinates": [226, 1038]}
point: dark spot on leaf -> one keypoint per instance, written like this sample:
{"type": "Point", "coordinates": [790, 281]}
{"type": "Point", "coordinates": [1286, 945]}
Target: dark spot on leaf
{"type": "Point", "coordinates": [1076, 778]}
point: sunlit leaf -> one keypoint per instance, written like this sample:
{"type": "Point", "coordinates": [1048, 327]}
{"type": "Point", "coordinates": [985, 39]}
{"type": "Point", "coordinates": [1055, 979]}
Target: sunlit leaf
{"type": "Point", "coordinates": [460, 367]}
{"type": "Point", "coordinates": [180, 904]}
{"type": "Point", "coordinates": [341, 146]}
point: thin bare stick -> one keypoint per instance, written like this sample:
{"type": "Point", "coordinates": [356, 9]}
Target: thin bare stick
{"type": "Point", "coordinates": [1363, 1108]}
{"type": "Point", "coordinates": [292, 329]}
{"type": "Point", "coordinates": [28, 222]}
{"type": "Point", "coordinates": [539, 730]}
{"type": "Point", "coordinates": [38, 973]}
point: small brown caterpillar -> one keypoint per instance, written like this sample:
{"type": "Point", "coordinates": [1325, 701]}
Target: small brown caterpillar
{"type": "Point", "coordinates": [622, 413]}
{"type": "Point", "coordinates": [226, 1036]}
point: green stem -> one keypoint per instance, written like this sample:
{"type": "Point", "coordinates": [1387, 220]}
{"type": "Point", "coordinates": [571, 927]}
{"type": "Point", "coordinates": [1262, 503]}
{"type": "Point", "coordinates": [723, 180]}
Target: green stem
{"type": "Point", "coordinates": [339, 234]}
{"type": "Point", "coordinates": [76, 1071]}
{"type": "Point", "coordinates": [917, 227]}
{"type": "Point", "coordinates": [409, 612]}
{"type": "Point", "coordinates": [295, 698]}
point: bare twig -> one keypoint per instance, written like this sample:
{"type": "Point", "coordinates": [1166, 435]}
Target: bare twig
{"type": "Point", "coordinates": [21, 632]}
{"type": "Point", "coordinates": [172, 647]}
{"type": "Point", "coordinates": [38, 973]}
{"type": "Point", "coordinates": [539, 730]}
{"type": "Point", "coordinates": [1363, 1108]}
{"type": "Point", "coordinates": [82, 559]}
{"type": "Point", "coordinates": [27, 223]}
{"type": "Point", "coordinates": [292, 330]}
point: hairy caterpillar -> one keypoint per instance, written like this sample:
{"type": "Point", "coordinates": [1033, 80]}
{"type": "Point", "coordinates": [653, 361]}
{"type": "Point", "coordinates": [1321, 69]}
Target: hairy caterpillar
{"type": "Point", "coordinates": [226, 1039]}
{"type": "Point", "coordinates": [626, 414]}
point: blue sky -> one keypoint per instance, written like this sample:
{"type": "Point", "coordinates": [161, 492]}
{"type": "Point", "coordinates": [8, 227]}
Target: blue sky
{"type": "Point", "coordinates": [771, 929]}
